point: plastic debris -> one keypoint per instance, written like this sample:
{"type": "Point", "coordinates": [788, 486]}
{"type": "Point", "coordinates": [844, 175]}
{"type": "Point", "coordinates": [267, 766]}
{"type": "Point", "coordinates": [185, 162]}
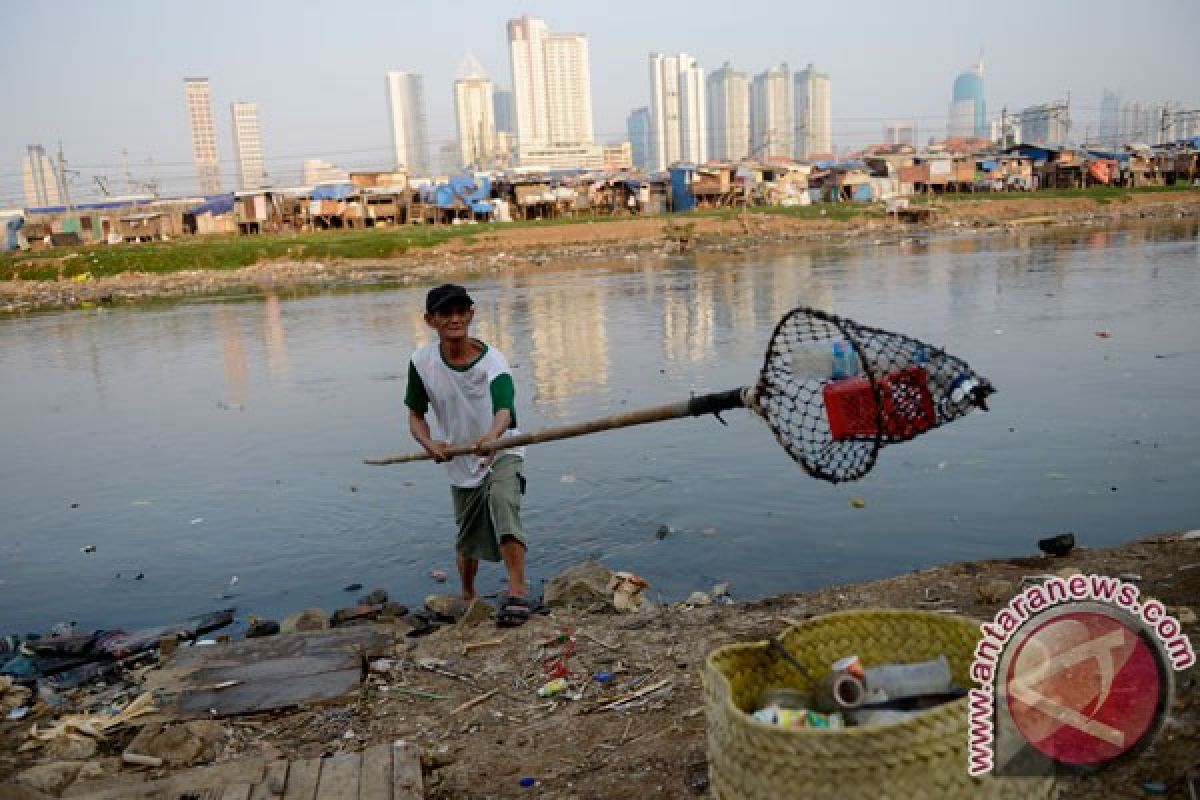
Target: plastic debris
{"type": "Point", "coordinates": [857, 502]}
{"type": "Point", "coordinates": [88, 548]}
{"type": "Point", "coordinates": [438, 575]}
{"type": "Point", "coordinates": [196, 521]}
{"type": "Point", "coordinates": [527, 782]}
{"type": "Point", "coordinates": [662, 532]}
{"type": "Point", "coordinates": [603, 677]}
{"type": "Point", "coordinates": [354, 587]}
{"type": "Point", "coordinates": [627, 591]}
{"type": "Point", "coordinates": [553, 688]}
{"type": "Point", "coordinates": [567, 479]}
{"type": "Point", "coordinates": [1103, 334]}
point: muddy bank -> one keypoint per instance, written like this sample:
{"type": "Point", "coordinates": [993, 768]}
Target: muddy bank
{"type": "Point", "coordinates": [466, 695]}
{"type": "Point", "coordinates": [553, 246]}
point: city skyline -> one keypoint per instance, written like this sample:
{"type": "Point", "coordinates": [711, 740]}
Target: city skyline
{"type": "Point", "coordinates": [336, 115]}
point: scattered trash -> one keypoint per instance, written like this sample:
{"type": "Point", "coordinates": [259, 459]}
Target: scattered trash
{"type": "Point", "coordinates": [800, 718]}
{"type": "Point", "coordinates": [662, 532]}
{"type": "Point", "coordinates": [1130, 577]}
{"type": "Point", "coordinates": [627, 591]}
{"type": "Point", "coordinates": [857, 502]}
{"type": "Point", "coordinates": [1104, 334]}
{"type": "Point", "coordinates": [261, 627]}
{"type": "Point", "coordinates": [1154, 787]}
{"type": "Point", "coordinates": [475, 701]}
{"type": "Point", "coordinates": [18, 713]}
{"type": "Point", "coordinates": [233, 581]}
{"type": "Point", "coordinates": [140, 760]}
{"type": "Point", "coordinates": [1036, 580]}
{"type": "Point", "coordinates": [354, 587]}
{"type": "Point", "coordinates": [1185, 615]}
{"type": "Point", "coordinates": [438, 575]}
{"type": "Point", "coordinates": [553, 688]}
{"type": "Point", "coordinates": [603, 677]}
{"type": "Point", "coordinates": [567, 479]}
{"type": "Point", "coordinates": [88, 548]}
{"type": "Point", "coordinates": [94, 725]}
{"type": "Point", "coordinates": [721, 596]}
{"type": "Point", "coordinates": [74, 505]}
{"type": "Point", "coordinates": [1057, 546]}
{"type": "Point", "coordinates": [527, 782]}
{"type": "Point", "coordinates": [1190, 535]}
{"type": "Point", "coordinates": [196, 521]}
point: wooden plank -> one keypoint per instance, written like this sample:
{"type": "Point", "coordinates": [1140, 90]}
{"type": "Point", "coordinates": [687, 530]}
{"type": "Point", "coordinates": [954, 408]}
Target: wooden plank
{"type": "Point", "coordinates": [273, 782]}
{"type": "Point", "coordinates": [407, 781]}
{"type": "Point", "coordinates": [302, 779]}
{"type": "Point", "coordinates": [376, 772]}
{"type": "Point", "coordinates": [236, 791]}
{"type": "Point", "coordinates": [278, 692]}
{"type": "Point", "coordinates": [339, 777]}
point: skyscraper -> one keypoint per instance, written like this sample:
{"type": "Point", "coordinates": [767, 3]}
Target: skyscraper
{"type": "Point", "coordinates": [664, 111]}
{"type": "Point", "coordinates": [638, 128]}
{"type": "Point", "coordinates": [503, 111]}
{"type": "Point", "coordinates": [968, 112]}
{"type": "Point", "coordinates": [728, 114]}
{"type": "Point", "coordinates": [814, 116]}
{"type": "Point", "coordinates": [693, 119]}
{"type": "Point", "coordinates": [552, 93]}
{"type": "Point", "coordinates": [247, 144]}
{"type": "Point", "coordinates": [771, 113]}
{"type": "Point", "coordinates": [204, 134]}
{"type": "Point", "coordinates": [473, 110]}
{"type": "Point", "coordinates": [40, 179]}
{"type": "Point", "coordinates": [406, 107]}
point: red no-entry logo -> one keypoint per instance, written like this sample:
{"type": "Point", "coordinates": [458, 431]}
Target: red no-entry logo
{"type": "Point", "coordinates": [1085, 687]}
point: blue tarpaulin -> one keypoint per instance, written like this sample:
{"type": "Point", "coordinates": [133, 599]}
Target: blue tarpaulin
{"type": "Point", "coordinates": [862, 192]}
{"type": "Point", "coordinates": [216, 204]}
{"type": "Point", "coordinates": [682, 197]}
{"type": "Point", "coordinates": [332, 191]}
{"type": "Point", "coordinates": [11, 225]}
{"type": "Point", "coordinates": [474, 193]}
{"type": "Point", "coordinates": [990, 166]}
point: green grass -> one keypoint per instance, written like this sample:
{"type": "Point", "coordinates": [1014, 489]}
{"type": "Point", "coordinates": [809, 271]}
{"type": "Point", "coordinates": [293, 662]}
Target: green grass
{"type": "Point", "coordinates": [223, 252]}
{"type": "Point", "coordinates": [1101, 194]}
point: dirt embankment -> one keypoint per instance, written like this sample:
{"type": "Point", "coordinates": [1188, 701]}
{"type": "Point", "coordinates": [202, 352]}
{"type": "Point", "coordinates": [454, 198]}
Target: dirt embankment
{"type": "Point", "coordinates": [656, 746]}
{"type": "Point", "coordinates": [540, 245]}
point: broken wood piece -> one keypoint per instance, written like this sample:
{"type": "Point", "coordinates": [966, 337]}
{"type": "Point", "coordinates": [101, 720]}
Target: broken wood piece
{"type": "Point", "coordinates": [600, 642]}
{"type": "Point", "coordinates": [645, 690]}
{"type": "Point", "coordinates": [416, 692]}
{"type": "Point", "coordinates": [139, 760]}
{"type": "Point", "coordinates": [483, 698]}
{"type": "Point", "coordinates": [467, 649]}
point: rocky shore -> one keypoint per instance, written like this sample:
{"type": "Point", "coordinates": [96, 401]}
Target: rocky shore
{"type": "Point", "coordinates": [577, 244]}
{"type": "Point", "coordinates": [465, 696]}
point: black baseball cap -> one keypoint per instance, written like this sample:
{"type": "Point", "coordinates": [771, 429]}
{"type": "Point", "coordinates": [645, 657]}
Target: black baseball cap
{"type": "Point", "coordinates": [446, 294]}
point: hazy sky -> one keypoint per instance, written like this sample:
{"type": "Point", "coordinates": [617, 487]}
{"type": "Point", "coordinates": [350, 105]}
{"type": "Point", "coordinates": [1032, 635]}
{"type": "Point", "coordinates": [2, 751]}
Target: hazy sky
{"type": "Point", "coordinates": [103, 77]}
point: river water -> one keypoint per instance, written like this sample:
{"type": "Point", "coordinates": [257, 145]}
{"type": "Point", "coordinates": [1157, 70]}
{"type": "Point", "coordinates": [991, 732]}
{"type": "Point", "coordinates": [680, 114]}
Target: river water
{"type": "Point", "coordinates": [214, 448]}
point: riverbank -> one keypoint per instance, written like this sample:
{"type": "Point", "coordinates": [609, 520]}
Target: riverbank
{"type": "Point", "coordinates": [132, 274]}
{"type": "Point", "coordinates": [480, 726]}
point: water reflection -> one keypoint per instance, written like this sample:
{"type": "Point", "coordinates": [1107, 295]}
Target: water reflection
{"type": "Point", "coordinates": [275, 337]}
{"type": "Point", "coordinates": [233, 352]}
{"type": "Point", "coordinates": [569, 338]}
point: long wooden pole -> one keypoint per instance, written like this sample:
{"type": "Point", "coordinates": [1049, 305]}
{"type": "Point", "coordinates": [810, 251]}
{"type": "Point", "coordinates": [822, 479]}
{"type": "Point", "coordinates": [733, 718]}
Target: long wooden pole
{"type": "Point", "coordinates": [696, 406]}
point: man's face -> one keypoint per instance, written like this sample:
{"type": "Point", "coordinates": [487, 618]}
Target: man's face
{"type": "Point", "coordinates": [451, 321]}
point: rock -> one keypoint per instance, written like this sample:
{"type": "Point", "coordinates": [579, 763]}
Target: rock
{"type": "Point", "coordinates": [357, 614]}
{"type": "Point", "coordinates": [583, 585]}
{"type": "Point", "coordinates": [445, 607]}
{"type": "Point", "coordinates": [394, 609]}
{"type": "Point", "coordinates": [477, 613]}
{"type": "Point", "coordinates": [50, 778]}
{"type": "Point", "coordinates": [70, 748]}
{"type": "Point", "coordinates": [195, 742]}
{"type": "Point", "coordinates": [993, 591]}
{"type": "Point", "coordinates": [261, 627]}
{"type": "Point", "coordinates": [376, 598]}
{"type": "Point", "coordinates": [310, 619]}
{"type": "Point", "coordinates": [699, 599]}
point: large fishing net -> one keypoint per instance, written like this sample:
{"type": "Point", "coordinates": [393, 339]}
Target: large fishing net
{"type": "Point", "coordinates": [835, 392]}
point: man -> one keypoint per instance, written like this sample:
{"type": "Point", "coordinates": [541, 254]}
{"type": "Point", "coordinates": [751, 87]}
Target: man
{"type": "Point", "coordinates": [469, 387]}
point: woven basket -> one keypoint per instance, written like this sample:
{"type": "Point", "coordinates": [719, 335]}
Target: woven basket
{"type": "Point", "coordinates": [924, 757]}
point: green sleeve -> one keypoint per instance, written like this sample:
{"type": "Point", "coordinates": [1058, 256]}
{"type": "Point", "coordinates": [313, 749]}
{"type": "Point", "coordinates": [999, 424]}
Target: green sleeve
{"type": "Point", "coordinates": [415, 396]}
{"type": "Point", "coordinates": [504, 396]}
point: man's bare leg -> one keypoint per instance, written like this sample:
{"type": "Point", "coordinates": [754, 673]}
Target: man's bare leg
{"type": "Point", "coordinates": [513, 553]}
{"type": "Point", "coordinates": [467, 569]}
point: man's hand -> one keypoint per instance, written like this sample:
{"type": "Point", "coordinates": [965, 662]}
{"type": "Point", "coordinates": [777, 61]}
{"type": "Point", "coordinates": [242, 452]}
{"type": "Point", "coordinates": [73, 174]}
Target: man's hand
{"type": "Point", "coordinates": [438, 451]}
{"type": "Point", "coordinates": [481, 448]}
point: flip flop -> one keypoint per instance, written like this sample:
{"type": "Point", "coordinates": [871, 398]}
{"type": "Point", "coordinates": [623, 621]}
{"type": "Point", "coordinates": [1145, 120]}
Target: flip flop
{"type": "Point", "coordinates": [513, 612]}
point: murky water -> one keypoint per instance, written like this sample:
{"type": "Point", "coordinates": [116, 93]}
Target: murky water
{"type": "Point", "coordinates": [195, 443]}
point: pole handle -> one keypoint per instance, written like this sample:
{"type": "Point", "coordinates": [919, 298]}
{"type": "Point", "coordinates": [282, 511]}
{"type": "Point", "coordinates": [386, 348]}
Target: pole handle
{"type": "Point", "coordinates": [694, 407]}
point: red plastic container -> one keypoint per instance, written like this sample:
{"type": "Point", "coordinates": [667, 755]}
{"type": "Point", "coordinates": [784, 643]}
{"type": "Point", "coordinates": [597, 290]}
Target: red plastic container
{"type": "Point", "coordinates": [907, 406]}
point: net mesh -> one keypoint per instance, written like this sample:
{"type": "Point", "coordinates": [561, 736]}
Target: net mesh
{"type": "Point", "coordinates": [835, 392]}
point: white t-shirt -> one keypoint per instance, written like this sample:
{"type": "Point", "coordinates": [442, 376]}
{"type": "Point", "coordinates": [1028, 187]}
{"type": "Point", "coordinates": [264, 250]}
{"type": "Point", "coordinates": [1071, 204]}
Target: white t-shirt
{"type": "Point", "coordinates": [462, 402]}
